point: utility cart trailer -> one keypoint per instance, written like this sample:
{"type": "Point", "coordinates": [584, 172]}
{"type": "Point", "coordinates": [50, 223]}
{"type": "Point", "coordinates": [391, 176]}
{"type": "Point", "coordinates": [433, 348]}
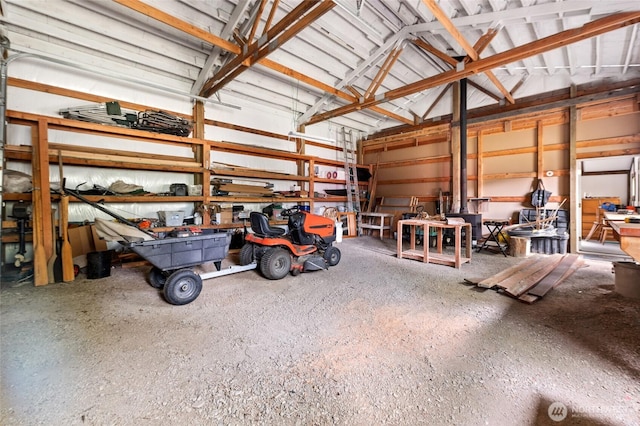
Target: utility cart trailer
{"type": "Point", "coordinates": [173, 257]}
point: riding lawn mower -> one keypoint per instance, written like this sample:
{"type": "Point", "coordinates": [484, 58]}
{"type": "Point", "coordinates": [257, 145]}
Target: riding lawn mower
{"type": "Point", "coordinates": [307, 246]}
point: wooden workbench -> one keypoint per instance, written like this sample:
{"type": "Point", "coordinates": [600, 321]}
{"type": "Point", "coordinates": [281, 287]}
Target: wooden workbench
{"type": "Point", "coordinates": [424, 255]}
{"type": "Point", "coordinates": [627, 233]}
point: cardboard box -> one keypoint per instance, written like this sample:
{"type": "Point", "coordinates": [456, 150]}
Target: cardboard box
{"type": "Point", "coordinates": [83, 240]}
{"type": "Point", "coordinates": [225, 216]}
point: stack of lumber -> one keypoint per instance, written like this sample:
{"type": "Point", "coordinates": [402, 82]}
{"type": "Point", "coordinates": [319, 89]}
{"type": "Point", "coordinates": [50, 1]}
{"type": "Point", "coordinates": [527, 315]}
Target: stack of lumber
{"type": "Point", "coordinates": [397, 204]}
{"type": "Point", "coordinates": [533, 278]}
{"type": "Point", "coordinates": [240, 189]}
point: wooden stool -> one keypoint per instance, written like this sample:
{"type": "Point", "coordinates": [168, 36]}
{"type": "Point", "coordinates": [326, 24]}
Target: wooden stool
{"type": "Point", "coordinates": [604, 233]}
{"type": "Point", "coordinates": [600, 228]}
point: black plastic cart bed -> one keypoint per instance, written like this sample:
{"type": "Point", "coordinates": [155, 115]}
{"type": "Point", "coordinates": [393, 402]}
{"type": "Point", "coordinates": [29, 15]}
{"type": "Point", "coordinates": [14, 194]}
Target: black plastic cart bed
{"type": "Point", "coordinates": [173, 257]}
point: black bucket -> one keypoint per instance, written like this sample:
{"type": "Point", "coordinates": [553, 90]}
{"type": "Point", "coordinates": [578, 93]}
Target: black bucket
{"type": "Point", "coordinates": [99, 264]}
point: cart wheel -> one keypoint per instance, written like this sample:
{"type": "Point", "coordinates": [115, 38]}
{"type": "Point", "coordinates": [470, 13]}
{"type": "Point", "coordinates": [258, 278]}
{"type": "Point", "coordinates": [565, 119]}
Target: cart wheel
{"type": "Point", "coordinates": [275, 263]}
{"type": "Point", "coordinates": [157, 278]}
{"type": "Point", "coordinates": [182, 287]}
{"type": "Point", "coordinates": [246, 254]}
{"type": "Point", "coordinates": [332, 255]}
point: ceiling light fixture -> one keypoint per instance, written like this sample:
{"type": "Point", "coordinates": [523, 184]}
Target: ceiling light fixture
{"type": "Point", "coordinates": [313, 138]}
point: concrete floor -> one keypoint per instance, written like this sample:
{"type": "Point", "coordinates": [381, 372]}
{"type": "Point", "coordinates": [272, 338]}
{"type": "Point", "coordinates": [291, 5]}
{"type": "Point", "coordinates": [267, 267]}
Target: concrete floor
{"type": "Point", "coordinates": [373, 340]}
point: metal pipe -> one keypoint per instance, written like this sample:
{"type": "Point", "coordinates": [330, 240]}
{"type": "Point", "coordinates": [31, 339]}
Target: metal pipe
{"type": "Point", "coordinates": [463, 146]}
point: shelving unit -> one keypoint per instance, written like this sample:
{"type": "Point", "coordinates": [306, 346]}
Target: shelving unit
{"type": "Point", "coordinates": [198, 165]}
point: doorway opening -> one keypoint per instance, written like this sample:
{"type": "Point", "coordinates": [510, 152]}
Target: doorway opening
{"type": "Point", "coordinates": [603, 184]}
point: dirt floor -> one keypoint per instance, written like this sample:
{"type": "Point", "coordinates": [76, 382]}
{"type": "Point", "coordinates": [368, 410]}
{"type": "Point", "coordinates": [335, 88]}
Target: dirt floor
{"type": "Point", "coordinates": [373, 340]}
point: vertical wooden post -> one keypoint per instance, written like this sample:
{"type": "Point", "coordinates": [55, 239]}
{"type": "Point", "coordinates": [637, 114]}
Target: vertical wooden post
{"type": "Point", "coordinates": [300, 164]}
{"type": "Point", "coordinates": [198, 133]}
{"type": "Point", "coordinates": [574, 208]}
{"type": "Point", "coordinates": [540, 149]}
{"type": "Point", "coordinates": [202, 153]}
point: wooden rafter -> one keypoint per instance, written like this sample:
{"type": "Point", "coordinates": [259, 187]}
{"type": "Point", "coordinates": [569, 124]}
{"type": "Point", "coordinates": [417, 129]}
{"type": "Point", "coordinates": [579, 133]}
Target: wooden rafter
{"type": "Point", "coordinates": [483, 90]}
{"type": "Point", "coordinates": [228, 46]}
{"type": "Point", "coordinates": [563, 38]}
{"type": "Point", "coordinates": [472, 51]}
{"type": "Point", "coordinates": [451, 29]}
{"type": "Point", "coordinates": [354, 91]}
{"type": "Point", "coordinates": [294, 22]}
{"type": "Point", "coordinates": [438, 99]}
{"type": "Point", "coordinates": [482, 43]}
{"type": "Point", "coordinates": [383, 72]}
{"type": "Point", "coordinates": [436, 52]}
{"type": "Point", "coordinates": [329, 89]}
{"type": "Point", "coordinates": [178, 24]}
{"type": "Point", "coordinates": [256, 22]}
{"type": "Point", "coordinates": [272, 13]}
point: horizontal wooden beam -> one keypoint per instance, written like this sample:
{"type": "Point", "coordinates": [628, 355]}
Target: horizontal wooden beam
{"type": "Point", "coordinates": [543, 104]}
{"type": "Point", "coordinates": [178, 24]}
{"type": "Point", "coordinates": [563, 38]}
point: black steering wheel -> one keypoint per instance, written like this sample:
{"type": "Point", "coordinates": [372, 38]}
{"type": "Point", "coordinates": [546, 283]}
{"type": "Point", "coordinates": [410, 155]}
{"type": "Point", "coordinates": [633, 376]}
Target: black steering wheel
{"type": "Point", "coordinates": [289, 212]}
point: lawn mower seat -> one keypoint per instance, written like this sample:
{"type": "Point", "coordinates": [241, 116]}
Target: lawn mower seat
{"type": "Point", "coordinates": [260, 225]}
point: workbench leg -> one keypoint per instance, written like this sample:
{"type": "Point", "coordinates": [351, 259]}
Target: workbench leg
{"type": "Point", "coordinates": [439, 237]}
{"type": "Point", "coordinates": [457, 247]}
{"type": "Point", "coordinates": [425, 243]}
{"type": "Point", "coordinates": [399, 241]}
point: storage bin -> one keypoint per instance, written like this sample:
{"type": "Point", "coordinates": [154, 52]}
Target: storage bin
{"type": "Point", "coordinates": [550, 245]}
{"type": "Point", "coordinates": [171, 218]}
{"type": "Point", "coordinates": [195, 190]}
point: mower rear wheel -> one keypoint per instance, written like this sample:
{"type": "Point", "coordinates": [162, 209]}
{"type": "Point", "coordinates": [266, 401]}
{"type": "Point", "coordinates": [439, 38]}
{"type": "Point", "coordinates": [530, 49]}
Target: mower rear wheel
{"type": "Point", "coordinates": [275, 263]}
{"type": "Point", "coordinates": [332, 255]}
{"type": "Point", "coordinates": [157, 278]}
{"type": "Point", "coordinates": [182, 287]}
{"type": "Point", "coordinates": [246, 254]}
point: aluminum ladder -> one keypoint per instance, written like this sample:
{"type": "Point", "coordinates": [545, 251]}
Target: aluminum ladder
{"type": "Point", "coordinates": [351, 173]}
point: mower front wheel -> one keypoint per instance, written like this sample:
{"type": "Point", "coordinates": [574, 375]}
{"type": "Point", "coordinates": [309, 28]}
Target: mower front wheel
{"type": "Point", "coordinates": [246, 254]}
{"type": "Point", "coordinates": [275, 263]}
{"type": "Point", "coordinates": [332, 255]}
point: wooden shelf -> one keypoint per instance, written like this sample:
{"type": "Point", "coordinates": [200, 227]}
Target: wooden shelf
{"type": "Point", "coordinates": [15, 196]}
{"type": "Point", "coordinates": [258, 174]}
{"type": "Point", "coordinates": [336, 181]}
{"type": "Point", "coordinates": [138, 198]}
{"type": "Point", "coordinates": [233, 199]}
{"type": "Point", "coordinates": [331, 199]}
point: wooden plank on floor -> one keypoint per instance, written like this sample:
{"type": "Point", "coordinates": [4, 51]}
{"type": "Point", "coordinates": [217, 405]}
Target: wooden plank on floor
{"type": "Point", "coordinates": [530, 280]}
{"type": "Point", "coordinates": [528, 298]}
{"type": "Point", "coordinates": [493, 280]}
{"type": "Point", "coordinates": [511, 282]}
{"type": "Point", "coordinates": [555, 277]}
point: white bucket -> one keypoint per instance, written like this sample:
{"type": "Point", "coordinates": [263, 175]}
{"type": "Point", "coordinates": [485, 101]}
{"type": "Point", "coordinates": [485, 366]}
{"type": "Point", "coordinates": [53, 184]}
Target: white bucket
{"type": "Point", "coordinates": [627, 279]}
{"type": "Point", "coordinates": [338, 232]}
